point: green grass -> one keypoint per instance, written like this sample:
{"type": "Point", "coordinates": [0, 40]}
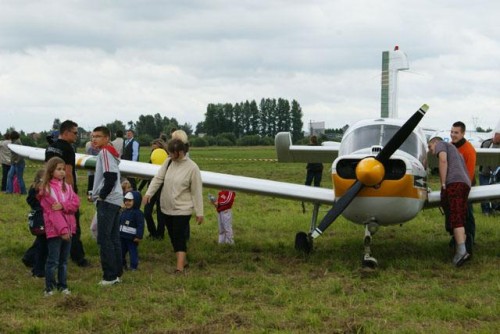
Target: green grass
{"type": "Point", "coordinates": [262, 285]}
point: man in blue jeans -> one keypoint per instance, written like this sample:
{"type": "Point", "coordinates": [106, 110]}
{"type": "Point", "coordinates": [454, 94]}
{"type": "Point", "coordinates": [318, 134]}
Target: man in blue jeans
{"type": "Point", "coordinates": [108, 196]}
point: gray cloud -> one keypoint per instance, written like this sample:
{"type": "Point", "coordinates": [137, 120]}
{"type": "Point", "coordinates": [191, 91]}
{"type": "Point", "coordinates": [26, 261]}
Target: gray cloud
{"type": "Point", "coordinates": [97, 61]}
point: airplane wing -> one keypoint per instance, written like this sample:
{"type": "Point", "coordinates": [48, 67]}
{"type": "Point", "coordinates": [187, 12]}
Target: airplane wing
{"type": "Point", "coordinates": [210, 179]}
{"type": "Point", "coordinates": [488, 156]}
{"type": "Point", "coordinates": [477, 194]}
{"type": "Point", "coordinates": [484, 157]}
{"type": "Point", "coordinates": [302, 153]}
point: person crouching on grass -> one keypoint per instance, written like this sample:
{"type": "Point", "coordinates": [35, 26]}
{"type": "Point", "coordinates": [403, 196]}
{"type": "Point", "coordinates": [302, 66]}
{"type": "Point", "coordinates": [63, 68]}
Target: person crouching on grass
{"type": "Point", "coordinates": [59, 203]}
{"type": "Point", "coordinates": [131, 228]}
{"type": "Point", "coordinates": [223, 204]}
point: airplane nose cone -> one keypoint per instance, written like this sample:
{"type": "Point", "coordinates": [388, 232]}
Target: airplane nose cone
{"type": "Point", "coordinates": [370, 172]}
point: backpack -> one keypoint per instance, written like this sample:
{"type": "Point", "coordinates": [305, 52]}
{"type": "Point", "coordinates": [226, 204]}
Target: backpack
{"type": "Point", "coordinates": [35, 222]}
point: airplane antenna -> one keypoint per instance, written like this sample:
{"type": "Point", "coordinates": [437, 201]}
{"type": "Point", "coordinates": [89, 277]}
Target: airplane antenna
{"type": "Point", "coordinates": [392, 63]}
{"type": "Point", "coordinates": [475, 122]}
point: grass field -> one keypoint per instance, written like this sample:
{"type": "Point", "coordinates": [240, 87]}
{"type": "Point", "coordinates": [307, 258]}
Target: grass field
{"type": "Point", "coordinates": [261, 285]}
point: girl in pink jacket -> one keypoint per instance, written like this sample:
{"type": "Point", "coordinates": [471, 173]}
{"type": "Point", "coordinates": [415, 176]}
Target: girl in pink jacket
{"type": "Point", "coordinates": [59, 203]}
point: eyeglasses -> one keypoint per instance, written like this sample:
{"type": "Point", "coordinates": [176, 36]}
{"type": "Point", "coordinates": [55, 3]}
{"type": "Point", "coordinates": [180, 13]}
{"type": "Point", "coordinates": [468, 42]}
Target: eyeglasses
{"type": "Point", "coordinates": [74, 132]}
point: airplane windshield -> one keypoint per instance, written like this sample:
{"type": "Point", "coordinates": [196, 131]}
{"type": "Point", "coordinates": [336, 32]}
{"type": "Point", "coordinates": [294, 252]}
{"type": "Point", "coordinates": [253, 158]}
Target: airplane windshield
{"type": "Point", "coordinates": [380, 134]}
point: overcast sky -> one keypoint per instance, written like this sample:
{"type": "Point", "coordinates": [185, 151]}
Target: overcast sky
{"type": "Point", "coordinates": [97, 61]}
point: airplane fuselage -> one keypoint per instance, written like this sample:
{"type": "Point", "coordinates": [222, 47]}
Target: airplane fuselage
{"type": "Point", "coordinates": [402, 193]}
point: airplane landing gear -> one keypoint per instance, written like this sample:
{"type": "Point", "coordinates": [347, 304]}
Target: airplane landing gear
{"type": "Point", "coordinates": [368, 260]}
{"type": "Point", "coordinates": [304, 241]}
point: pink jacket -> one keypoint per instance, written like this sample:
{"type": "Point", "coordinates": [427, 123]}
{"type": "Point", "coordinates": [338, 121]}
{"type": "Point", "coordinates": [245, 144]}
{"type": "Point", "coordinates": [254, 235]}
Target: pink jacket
{"type": "Point", "coordinates": [59, 222]}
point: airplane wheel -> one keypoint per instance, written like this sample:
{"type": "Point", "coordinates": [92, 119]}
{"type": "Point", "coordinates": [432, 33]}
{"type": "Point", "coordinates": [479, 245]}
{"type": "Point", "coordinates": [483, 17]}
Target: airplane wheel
{"type": "Point", "coordinates": [303, 242]}
{"type": "Point", "coordinates": [369, 262]}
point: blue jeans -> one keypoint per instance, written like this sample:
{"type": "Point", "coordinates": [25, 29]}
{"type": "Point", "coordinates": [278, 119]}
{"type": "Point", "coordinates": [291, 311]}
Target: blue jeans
{"type": "Point", "coordinates": [108, 239]}
{"type": "Point", "coordinates": [57, 259]}
{"type": "Point", "coordinates": [16, 169]}
{"type": "Point", "coordinates": [129, 246]}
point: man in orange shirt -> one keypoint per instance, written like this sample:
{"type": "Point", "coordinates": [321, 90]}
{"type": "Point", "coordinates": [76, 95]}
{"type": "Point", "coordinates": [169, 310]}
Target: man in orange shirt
{"type": "Point", "coordinates": [469, 154]}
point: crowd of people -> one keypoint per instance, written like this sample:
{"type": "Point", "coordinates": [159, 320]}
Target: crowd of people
{"type": "Point", "coordinates": [176, 191]}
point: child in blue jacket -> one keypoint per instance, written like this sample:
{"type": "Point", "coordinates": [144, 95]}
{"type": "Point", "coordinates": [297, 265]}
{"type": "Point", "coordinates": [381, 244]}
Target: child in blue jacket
{"type": "Point", "coordinates": [131, 228]}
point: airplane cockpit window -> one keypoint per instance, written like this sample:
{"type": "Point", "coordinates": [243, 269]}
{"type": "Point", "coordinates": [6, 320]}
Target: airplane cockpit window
{"type": "Point", "coordinates": [380, 134]}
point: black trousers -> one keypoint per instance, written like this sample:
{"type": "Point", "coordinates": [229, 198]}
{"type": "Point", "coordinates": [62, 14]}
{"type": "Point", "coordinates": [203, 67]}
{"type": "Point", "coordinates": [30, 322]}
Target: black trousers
{"type": "Point", "coordinates": [177, 227]}
{"type": "Point", "coordinates": [5, 172]}
{"type": "Point", "coordinates": [156, 231]}
{"type": "Point", "coordinates": [36, 255]}
{"type": "Point", "coordinates": [77, 253]}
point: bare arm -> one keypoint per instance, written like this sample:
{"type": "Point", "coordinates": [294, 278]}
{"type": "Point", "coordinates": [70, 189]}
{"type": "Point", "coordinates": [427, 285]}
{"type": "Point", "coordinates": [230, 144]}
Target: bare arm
{"type": "Point", "coordinates": [69, 175]}
{"type": "Point", "coordinates": [443, 168]}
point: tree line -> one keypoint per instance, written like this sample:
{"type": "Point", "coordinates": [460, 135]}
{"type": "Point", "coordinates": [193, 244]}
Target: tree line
{"type": "Point", "coordinates": [244, 123]}
{"type": "Point", "coordinates": [248, 118]}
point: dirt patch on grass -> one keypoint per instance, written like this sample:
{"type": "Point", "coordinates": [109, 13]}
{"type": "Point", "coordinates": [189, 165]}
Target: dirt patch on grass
{"type": "Point", "coordinates": [73, 303]}
{"type": "Point", "coordinates": [226, 323]}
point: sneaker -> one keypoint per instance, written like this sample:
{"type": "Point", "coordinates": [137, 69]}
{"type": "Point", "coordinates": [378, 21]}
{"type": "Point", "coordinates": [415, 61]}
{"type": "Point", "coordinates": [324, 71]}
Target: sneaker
{"type": "Point", "coordinates": [112, 282]}
{"type": "Point", "coordinates": [66, 292]}
{"type": "Point", "coordinates": [459, 260]}
{"type": "Point", "coordinates": [48, 293]}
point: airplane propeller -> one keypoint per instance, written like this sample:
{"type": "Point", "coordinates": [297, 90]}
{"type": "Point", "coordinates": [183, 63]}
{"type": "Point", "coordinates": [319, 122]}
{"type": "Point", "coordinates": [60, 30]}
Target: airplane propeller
{"type": "Point", "coordinates": [370, 171]}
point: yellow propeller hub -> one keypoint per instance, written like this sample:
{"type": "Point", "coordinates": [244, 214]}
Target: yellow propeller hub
{"type": "Point", "coordinates": [370, 172]}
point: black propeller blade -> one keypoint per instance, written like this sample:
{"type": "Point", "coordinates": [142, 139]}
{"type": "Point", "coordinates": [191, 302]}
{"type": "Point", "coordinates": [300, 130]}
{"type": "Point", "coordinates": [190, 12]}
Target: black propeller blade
{"type": "Point", "coordinates": [397, 140]}
{"type": "Point", "coordinates": [394, 143]}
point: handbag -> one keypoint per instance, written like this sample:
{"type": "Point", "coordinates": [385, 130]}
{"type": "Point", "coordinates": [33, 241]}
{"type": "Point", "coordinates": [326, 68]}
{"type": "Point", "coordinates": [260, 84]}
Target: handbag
{"type": "Point", "coordinates": [35, 222]}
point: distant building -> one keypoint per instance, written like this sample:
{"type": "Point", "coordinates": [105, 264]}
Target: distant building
{"type": "Point", "coordinates": [316, 128]}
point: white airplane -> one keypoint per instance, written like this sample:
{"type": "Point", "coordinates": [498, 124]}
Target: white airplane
{"type": "Point", "coordinates": [379, 176]}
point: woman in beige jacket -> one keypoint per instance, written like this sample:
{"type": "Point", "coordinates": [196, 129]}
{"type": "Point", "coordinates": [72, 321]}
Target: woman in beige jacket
{"type": "Point", "coordinates": [181, 196]}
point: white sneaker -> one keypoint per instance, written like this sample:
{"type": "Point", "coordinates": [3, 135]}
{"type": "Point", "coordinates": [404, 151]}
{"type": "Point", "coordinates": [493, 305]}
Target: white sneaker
{"type": "Point", "coordinates": [460, 259]}
{"type": "Point", "coordinates": [48, 293]}
{"type": "Point", "coordinates": [66, 291]}
{"type": "Point", "coordinates": [112, 282]}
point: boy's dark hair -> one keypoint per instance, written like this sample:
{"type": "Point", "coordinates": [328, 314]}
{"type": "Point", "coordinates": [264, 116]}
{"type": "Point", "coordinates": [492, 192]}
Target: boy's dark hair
{"type": "Point", "coordinates": [102, 129]}
{"type": "Point", "coordinates": [460, 125]}
{"type": "Point", "coordinates": [67, 126]}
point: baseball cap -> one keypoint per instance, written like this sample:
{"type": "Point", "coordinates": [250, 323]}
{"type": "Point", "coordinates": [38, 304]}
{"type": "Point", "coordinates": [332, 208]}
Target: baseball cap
{"type": "Point", "coordinates": [129, 195]}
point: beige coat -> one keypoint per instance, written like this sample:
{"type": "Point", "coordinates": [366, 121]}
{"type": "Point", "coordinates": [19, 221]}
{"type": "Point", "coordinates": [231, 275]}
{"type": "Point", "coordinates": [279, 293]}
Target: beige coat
{"type": "Point", "coordinates": [181, 194]}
